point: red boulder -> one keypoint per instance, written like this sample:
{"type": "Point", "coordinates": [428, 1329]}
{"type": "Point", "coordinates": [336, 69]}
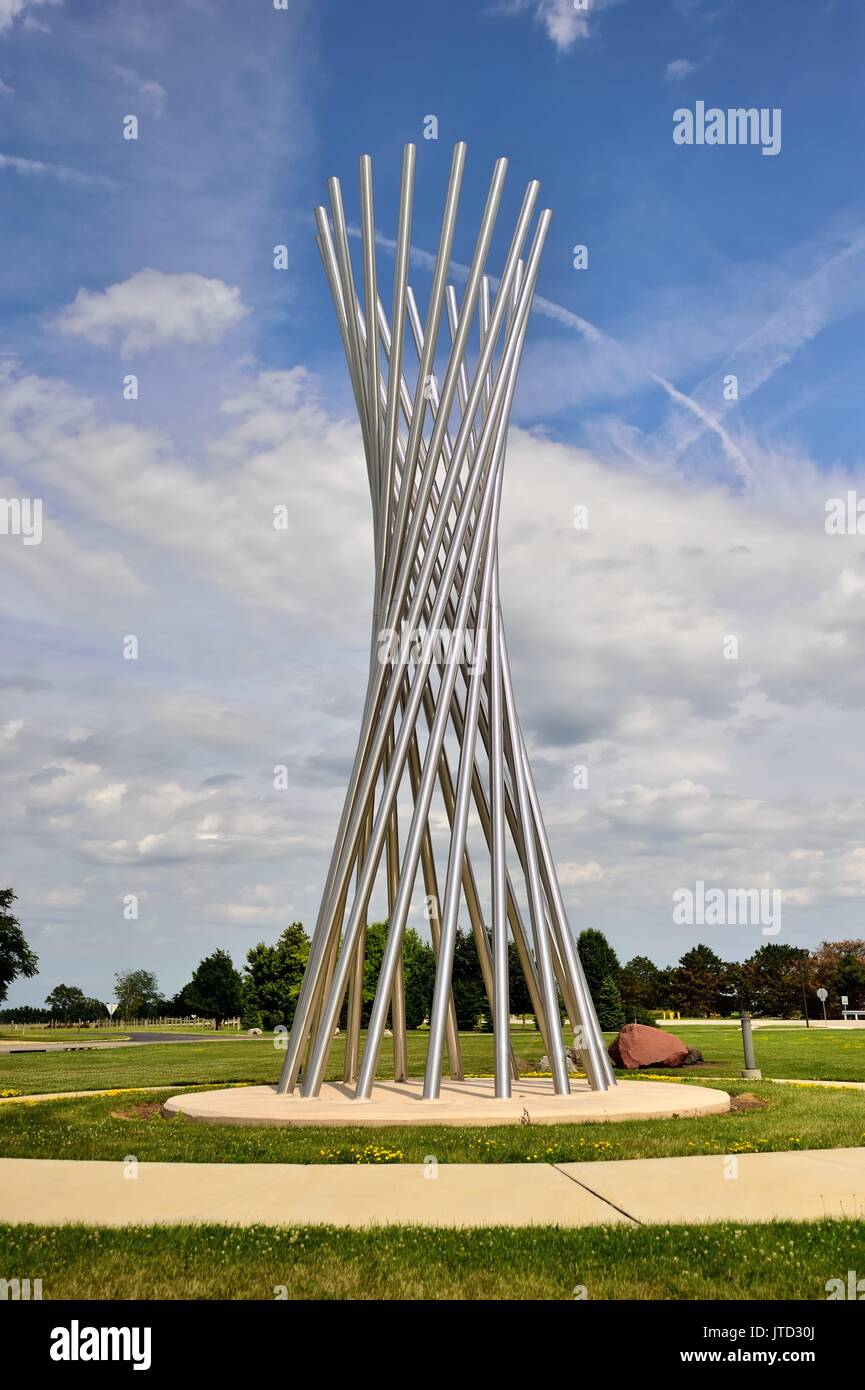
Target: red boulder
{"type": "Point", "coordinates": [640, 1046]}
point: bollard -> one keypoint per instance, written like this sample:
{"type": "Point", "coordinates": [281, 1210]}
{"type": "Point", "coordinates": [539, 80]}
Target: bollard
{"type": "Point", "coordinates": [750, 1071]}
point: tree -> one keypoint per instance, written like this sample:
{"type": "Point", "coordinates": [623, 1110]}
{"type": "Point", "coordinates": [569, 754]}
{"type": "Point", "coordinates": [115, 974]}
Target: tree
{"type": "Point", "coordinates": [520, 999]}
{"type": "Point", "coordinates": [67, 1001]}
{"type": "Point", "coordinates": [374, 944]}
{"type": "Point", "coordinates": [419, 966]}
{"type": "Point", "coordinates": [215, 987]}
{"type": "Point", "coordinates": [16, 958]}
{"type": "Point", "coordinates": [177, 1006]}
{"type": "Point", "coordinates": [136, 991]}
{"type": "Point", "coordinates": [599, 960]}
{"type": "Point", "coordinates": [470, 999]}
{"type": "Point", "coordinates": [275, 973]}
{"type": "Point", "coordinates": [250, 1013]}
{"type": "Point", "coordinates": [641, 985]}
{"type": "Point", "coordinates": [770, 981]}
{"type": "Point", "coordinates": [611, 1015]}
{"type": "Point", "coordinates": [848, 978]}
{"type": "Point", "coordinates": [697, 982]}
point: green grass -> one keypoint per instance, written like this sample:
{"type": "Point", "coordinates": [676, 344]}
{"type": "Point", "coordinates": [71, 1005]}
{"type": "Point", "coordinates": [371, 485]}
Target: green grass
{"type": "Point", "coordinates": [725, 1261]}
{"type": "Point", "coordinates": [794, 1118]}
{"type": "Point", "coordinates": [797, 1053]}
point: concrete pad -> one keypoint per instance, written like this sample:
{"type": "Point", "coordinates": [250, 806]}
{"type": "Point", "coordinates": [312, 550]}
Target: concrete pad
{"type": "Point", "coordinates": [797, 1186]}
{"type": "Point", "coordinates": [470, 1102]}
{"type": "Point", "coordinates": [56, 1192]}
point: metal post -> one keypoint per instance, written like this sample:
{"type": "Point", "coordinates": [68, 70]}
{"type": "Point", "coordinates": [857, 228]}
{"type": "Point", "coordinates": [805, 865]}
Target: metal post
{"type": "Point", "coordinates": [751, 1072]}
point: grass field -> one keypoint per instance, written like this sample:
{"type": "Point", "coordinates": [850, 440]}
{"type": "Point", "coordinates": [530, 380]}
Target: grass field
{"type": "Point", "coordinates": [785, 1260]}
{"type": "Point", "coordinates": [786, 1052]}
{"type": "Point", "coordinates": [111, 1127]}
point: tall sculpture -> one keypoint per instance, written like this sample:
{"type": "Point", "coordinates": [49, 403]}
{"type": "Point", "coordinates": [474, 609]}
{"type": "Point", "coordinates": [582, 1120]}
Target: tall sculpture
{"type": "Point", "coordinates": [434, 440]}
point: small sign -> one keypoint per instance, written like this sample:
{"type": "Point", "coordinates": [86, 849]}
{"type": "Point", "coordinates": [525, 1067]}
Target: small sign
{"type": "Point", "coordinates": [844, 1000]}
{"type": "Point", "coordinates": [112, 1010]}
{"type": "Point", "coordinates": [822, 995]}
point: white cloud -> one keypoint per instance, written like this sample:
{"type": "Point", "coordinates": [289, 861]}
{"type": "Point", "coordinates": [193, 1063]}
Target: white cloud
{"type": "Point", "coordinates": [10, 10]}
{"type": "Point", "coordinates": [38, 168]}
{"type": "Point", "coordinates": [150, 93]}
{"type": "Point", "coordinates": [5, 89]}
{"type": "Point", "coordinates": [152, 308]}
{"type": "Point", "coordinates": [564, 21]}
{"type": "Point", "coordinates": [679, 68]}
{"type": "Point", "coordinates": [570, 873]}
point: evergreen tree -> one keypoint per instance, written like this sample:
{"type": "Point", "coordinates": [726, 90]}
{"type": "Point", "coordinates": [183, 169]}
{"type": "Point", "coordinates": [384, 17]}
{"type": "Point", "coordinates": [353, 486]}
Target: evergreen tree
{"type": "Point", "coordinates": [611, 1014]}
{"type": "Point", "coordinates": [274, 974]}
{"type": "Point", "coordinates": [599, 961]}
{"type": "Point", "coordinates": [640, 985]}
{"type": "Point", "coordinates": [419, 968]}
{"type": "Point", "coordinates": [698, 981]}
{"type": "Point", "coordinates": [470, 999]}
{"type": "Point", "coordinates": [215, 987]}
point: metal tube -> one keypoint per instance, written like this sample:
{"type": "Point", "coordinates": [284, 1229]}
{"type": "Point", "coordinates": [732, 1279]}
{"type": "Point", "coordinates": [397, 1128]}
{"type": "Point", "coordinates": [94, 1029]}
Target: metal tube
{"type": "Point", "coordinates": [394, 381]}
{"type": "Point", "coordinates": [501, 1013]}
{"type": "Point", "coordinates": [397, 1003]}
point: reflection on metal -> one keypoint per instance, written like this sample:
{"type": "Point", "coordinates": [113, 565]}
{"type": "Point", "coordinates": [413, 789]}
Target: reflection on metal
{"type": "Point", "coordinates": [434, 437]}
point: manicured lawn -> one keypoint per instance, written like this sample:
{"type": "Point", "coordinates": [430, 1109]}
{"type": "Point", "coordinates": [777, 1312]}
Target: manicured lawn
{"type": "Point", "coordinates": [111, 1127]}
{"type": "Point", "coordinates": [803, 1053]}
{"type": "Point", "coordinates": [674, 1263]}
{"type": "Point", "coordinates": [798, 1053]}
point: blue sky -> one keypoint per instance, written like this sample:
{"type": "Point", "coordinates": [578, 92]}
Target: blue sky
{"type": "Point", "coordinates": [154, 256]}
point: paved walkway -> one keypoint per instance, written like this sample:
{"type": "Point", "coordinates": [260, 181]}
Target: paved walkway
{"type": "Point", "coordinates": [750, 1187]}
{"type": "Point", "coordinates": [9, 1045]}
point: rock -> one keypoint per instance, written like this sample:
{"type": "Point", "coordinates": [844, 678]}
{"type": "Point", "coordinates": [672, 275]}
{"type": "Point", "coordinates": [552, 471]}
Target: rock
{"type": "Point", "coordinates": [573, 1064]}
{"type": "Point", "coordinates": [694, 1057]}
{"type": "Point", "coordinates": [639, 1046]}
{"type": "Point", "coordinates": [253, 1032]}
{"type": "Point", "coordinates": [387, 1033]}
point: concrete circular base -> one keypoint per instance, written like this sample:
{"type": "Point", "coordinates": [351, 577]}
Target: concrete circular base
{"type": "Point", "coordinates": [470, 1102]}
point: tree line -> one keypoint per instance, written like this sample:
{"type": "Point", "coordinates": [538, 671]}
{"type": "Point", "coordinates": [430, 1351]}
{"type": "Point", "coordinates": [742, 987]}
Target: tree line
{"type": "Point", "coordinates": [776, 981]}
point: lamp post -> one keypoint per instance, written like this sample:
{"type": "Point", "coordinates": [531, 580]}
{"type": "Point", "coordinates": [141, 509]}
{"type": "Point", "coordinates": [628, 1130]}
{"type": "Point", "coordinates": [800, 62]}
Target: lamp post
{"type": "Point", "coordinates": [804, 995]}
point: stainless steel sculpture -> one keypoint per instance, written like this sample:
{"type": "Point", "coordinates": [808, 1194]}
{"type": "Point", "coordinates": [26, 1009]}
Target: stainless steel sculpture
{"type": "Point", "coordinates": [434, 455]}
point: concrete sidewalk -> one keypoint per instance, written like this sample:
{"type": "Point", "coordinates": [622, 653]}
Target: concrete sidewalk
{"type": "Point", "coordinates": [747, 1187]}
